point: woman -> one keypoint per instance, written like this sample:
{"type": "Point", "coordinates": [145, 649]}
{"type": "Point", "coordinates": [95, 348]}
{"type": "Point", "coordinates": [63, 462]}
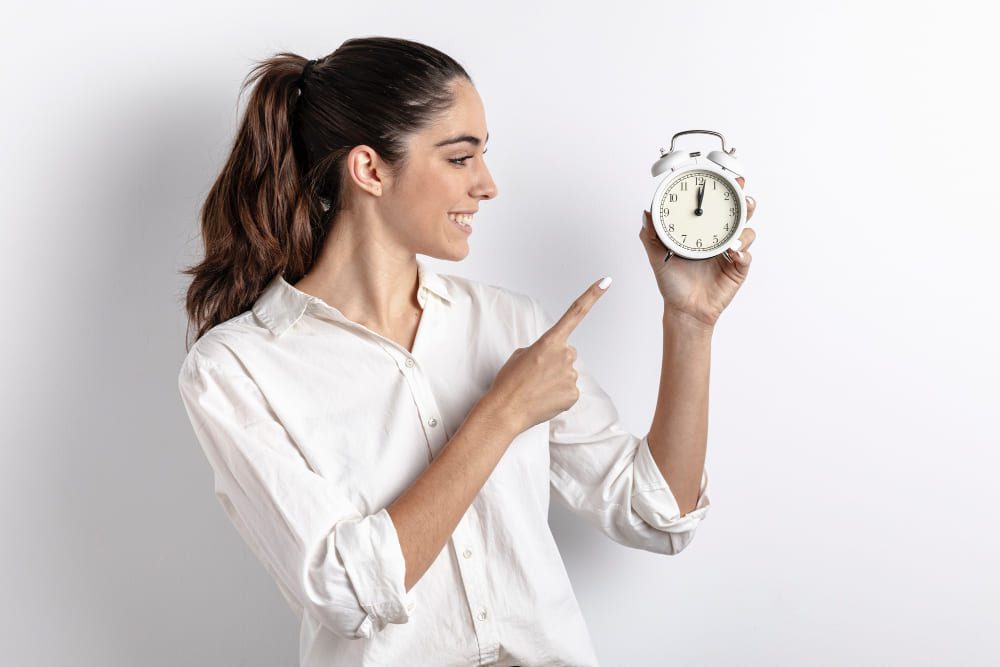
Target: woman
{"type": "Point", "coordinates": [383, 437]}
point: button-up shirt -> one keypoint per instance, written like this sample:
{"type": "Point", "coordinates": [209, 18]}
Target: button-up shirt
{"type": "Point", "coordinates": [314, 424]}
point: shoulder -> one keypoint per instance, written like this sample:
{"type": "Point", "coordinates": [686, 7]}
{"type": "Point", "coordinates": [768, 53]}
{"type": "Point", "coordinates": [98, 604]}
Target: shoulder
{"type": "Point", "coordinates": [218, 348]}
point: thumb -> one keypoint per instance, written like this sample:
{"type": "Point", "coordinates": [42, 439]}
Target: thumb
{"type": "Point", "coordinates": [648, 235]}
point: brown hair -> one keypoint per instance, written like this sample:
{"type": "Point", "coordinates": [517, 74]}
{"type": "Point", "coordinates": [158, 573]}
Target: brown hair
{"type": "Point", "coordinates": [272, 205]}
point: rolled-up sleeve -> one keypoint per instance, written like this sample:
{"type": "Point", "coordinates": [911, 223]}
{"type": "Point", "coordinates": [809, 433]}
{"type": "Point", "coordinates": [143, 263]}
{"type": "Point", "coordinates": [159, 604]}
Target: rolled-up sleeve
{"type": "Point", "coordinates": [608, 476]}
{"type": "Point", "coordinates": [653, 500]}
{"type": "Point", "coordinates": [345, 569]}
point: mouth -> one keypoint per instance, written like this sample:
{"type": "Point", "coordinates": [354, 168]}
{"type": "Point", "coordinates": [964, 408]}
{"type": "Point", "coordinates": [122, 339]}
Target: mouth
{"type": "Point", "coordinates": [462, 221]}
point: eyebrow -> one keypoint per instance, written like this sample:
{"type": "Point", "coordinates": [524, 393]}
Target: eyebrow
{"type": "Point", "coordinates": [465, 137]}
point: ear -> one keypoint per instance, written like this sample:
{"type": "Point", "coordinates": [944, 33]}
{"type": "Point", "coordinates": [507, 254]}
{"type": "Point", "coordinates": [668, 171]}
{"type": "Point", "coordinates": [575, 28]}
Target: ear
{"type": "Point", "coordinates": [366, 169]}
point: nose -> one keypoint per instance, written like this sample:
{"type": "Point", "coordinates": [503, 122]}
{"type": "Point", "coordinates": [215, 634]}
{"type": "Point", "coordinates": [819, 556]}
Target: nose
{"type": "Point", "coordinates": [487, 188]}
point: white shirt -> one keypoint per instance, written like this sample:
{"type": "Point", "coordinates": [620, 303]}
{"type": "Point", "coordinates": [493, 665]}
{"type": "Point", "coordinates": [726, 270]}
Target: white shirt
{"type": "Point", "coordinates": [314, 424]}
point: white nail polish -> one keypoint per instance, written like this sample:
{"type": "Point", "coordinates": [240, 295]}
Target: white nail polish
{"type": "Point", "coordinates": [604, 282]}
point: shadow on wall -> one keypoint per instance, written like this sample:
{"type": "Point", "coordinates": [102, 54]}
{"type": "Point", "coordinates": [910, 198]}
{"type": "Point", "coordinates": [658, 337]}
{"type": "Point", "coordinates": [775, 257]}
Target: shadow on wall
{"type": "Point", "coordinates": [142, 563]}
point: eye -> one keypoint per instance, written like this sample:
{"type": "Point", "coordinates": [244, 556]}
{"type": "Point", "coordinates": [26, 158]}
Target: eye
{"type": "Point", "coordinates": [461, 161]}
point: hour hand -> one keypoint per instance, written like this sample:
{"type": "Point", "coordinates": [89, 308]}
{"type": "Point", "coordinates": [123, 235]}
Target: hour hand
{"type": "Point", "coordinates": [701, 196]}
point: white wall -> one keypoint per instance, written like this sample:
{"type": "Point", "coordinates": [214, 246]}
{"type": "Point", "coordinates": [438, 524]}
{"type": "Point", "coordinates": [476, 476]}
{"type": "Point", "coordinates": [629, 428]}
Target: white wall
{"type": "Point", "coordinates": [853, 435]}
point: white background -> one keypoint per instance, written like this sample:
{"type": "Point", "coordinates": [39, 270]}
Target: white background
{"type": "Point", "coordinates": [852, 437]}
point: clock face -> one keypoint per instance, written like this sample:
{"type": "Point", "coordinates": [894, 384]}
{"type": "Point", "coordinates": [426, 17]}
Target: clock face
{"type": "Point", "coordinates": [700, 210]}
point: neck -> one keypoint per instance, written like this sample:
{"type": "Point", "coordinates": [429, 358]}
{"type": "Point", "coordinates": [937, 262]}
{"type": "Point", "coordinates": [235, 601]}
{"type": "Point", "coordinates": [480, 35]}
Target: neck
{"type": "Point", "coordinates": [363, 273]}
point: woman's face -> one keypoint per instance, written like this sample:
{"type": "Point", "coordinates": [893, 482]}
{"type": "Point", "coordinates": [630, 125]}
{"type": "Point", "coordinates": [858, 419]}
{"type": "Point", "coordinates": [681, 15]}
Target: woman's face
{"type": "Point", "coordinates": [442, 177]}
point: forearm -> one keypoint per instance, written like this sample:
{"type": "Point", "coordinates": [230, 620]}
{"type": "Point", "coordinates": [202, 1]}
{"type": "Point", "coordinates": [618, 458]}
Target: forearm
{"type": "Point", "coordinates": [425, 515]}
{"type": "Point", "coordinates": [678, 435]}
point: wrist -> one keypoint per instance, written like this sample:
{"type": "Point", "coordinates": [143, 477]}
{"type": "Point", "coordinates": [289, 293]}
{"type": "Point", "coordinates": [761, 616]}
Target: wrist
{"type": "Point", "coordinates": [686, 325]}
{"type": "Point", "coordinates": [493, 409]}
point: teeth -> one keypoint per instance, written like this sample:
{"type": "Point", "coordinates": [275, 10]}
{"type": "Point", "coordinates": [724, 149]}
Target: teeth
{"type": "Point", "coordinates": [463, 218]}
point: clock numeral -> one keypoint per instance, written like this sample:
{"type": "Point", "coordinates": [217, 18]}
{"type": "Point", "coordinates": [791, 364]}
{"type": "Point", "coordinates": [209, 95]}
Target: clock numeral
{"type": "Point", "coordinates": [684, 238]}
{"type": "Point", "coordinates": [699, 243]}
{"type": "Point", "coordinates": [672, 198]}
{"type": "Point", "coordinates": [726, 226]}
{"type": "Point", "coordinates": [684, 186]}
{"type": "Point", "coordinates": [714, 183]}
{"type": "Point", "coordinates": [670, 227]}
{"type": "Point", "coordinates": [666, 212]}
{"type": "Point", "coordinates": [699, 180]}
{"type": "Point", "coordinates": [725, 196]}
{"type": "Point", "coordinates": [715, 239]}
{"type": "Point", "coordinates": [732, 211]}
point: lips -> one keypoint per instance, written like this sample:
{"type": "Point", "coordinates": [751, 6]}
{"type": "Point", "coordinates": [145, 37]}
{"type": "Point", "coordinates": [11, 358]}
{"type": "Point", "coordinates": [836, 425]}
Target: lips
{"type": "Point", "coordinates": [461, 225]}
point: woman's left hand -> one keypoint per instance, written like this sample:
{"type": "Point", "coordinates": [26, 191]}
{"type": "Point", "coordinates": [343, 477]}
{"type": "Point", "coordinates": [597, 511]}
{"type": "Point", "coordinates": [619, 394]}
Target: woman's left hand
{"type": "Point", "coordinates": [698, 289]}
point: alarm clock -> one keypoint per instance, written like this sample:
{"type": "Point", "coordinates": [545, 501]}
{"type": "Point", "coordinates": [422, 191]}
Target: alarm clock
{"type": "Point", "coordinates": [698, 207]}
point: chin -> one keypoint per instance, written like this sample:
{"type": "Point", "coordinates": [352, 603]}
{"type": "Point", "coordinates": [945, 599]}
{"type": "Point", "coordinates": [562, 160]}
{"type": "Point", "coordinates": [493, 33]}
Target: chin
{"type": "Point", "coordinates": [453, 253]}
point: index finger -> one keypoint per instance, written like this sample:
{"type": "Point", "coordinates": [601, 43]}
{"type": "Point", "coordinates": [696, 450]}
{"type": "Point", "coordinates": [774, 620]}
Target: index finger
{"type": "Point", "coordinates": [577, 310]}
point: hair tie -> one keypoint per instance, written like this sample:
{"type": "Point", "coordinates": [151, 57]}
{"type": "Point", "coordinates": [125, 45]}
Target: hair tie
{"type": "Point", "coordinates": [305, 71]}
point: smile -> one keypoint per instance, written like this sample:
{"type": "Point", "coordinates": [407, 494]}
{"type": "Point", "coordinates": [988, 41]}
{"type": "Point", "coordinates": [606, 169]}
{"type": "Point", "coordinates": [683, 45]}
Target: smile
{"type": "Point", "coordinates": [462, 221]}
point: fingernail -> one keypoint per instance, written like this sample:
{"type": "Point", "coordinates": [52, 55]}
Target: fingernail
{"type": "Point", "coordinates": [737, 244]}
{"type": "Point", "coordinates": [753, 200]}
{"type": "Point", "coordinates": [604, 282]}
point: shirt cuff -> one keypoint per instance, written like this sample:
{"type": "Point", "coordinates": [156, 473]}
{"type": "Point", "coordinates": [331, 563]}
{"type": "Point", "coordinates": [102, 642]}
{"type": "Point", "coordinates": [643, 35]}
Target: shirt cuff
{"type": "Point", "coordinates": [369, 547]}
{"type": "Point", "coordinates": [653, 500]}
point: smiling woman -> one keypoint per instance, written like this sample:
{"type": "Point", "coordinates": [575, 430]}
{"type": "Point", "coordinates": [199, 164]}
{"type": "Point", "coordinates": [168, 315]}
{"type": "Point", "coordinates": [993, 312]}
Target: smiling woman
{"type": "Point", "coordinates": [384, 438]}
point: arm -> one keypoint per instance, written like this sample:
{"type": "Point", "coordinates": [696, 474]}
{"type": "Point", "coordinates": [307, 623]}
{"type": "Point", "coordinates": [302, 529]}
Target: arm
{"type": "Point", "coordinates": [679, 433]}
{"type": "Point", "coordinates": [426, 513]}
{"type": "Point", "coordinates": [694, 296]}
{"type": "Point", "coordinates": [351, 572]}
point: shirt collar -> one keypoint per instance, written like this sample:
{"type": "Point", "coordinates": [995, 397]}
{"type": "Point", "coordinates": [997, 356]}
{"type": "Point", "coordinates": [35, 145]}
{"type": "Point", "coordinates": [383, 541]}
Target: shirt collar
{"type": "Point", "coordinates": [281, 304]}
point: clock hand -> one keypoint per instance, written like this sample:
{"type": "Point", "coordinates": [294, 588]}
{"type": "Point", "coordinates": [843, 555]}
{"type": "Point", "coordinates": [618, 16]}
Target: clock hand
{"type": "Point", "coordinates": [701, 196]}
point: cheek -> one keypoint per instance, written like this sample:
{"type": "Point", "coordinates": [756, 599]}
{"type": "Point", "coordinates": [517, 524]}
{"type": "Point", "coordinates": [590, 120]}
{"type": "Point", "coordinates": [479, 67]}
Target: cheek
{"type": "Point", "coordinates": [418, 219]}
{"type": "Point", "coordinates": [425, 197]}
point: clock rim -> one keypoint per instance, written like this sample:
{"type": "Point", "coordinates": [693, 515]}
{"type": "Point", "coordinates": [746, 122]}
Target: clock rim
{"type": "Point", "coordinates": [672, 176]}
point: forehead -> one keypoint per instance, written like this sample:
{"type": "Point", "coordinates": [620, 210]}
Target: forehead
{"type": "Point", "coordinates": [461, 125]}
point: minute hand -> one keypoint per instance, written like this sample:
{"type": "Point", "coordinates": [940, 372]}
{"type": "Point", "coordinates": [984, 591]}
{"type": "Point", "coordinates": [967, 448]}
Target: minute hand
{"type": "Point", "coordinates": [701, 196]}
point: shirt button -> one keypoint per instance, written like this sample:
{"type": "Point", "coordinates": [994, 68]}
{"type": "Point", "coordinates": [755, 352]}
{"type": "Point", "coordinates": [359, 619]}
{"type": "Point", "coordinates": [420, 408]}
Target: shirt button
{"type": "Point", "coordinates": [432, 422]}
{"type": "Point", "coordinates": [467, 553]}
{"type": "Point", "coordinates": [409, 362]}
{"type": "Point", "coordinates": [482, 615]}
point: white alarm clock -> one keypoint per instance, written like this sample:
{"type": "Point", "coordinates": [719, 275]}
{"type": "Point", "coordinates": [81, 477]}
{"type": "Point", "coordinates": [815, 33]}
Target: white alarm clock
{"type": "Point", "coordinates": [698, 207]}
